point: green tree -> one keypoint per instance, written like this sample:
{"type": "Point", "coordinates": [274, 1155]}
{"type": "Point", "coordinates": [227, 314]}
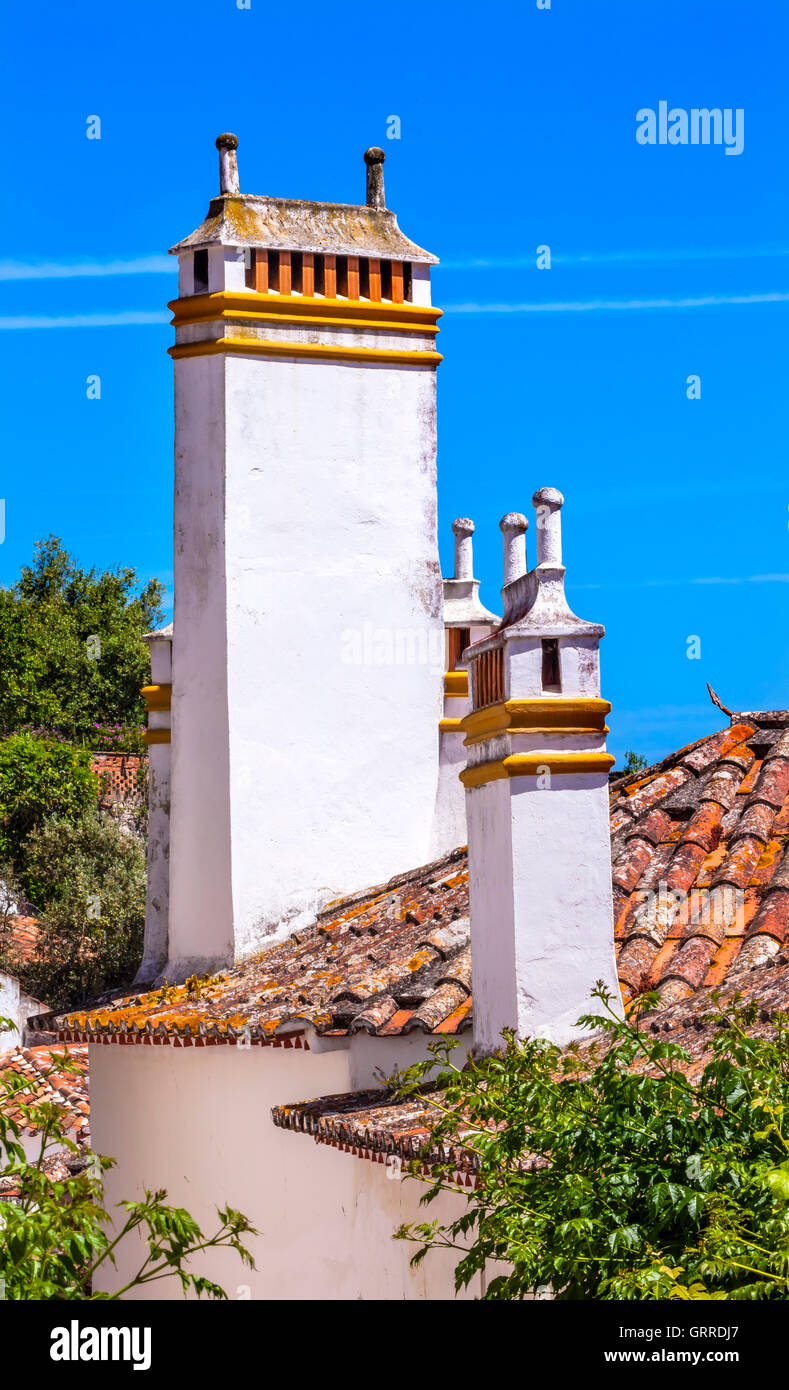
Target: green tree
{"type": "Point", "coordinates": [71, 649]}
{"type": "Point", "coordinates": [89, 879]}
{"type": "Point", "coordinates": [634, 762]}
{"type": "Point", "coordinates": [55, 1235]}
{"type": "Point", "coordinates": [40, 777]}
{"type": "Point", "coordinates": [609, 1172]}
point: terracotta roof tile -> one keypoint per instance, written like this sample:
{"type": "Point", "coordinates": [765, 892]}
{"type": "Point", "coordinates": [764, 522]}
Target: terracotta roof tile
{"type": "Point", "coordinates": [701, 887]}
{"type": "Point", "coordinates": [42, 1068]}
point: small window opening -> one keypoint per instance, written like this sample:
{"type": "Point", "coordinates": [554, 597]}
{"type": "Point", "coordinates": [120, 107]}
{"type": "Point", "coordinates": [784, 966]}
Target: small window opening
{"type": "Point", "coordinates": [201, 272]}
{"type": "Point", "coordinates": [342, 276]}
{"type": "Point", "coordinates": [320, 275]}
{"type": "Point", "coordinates": [551, 673]}
{"type": "Point", "coordinates": [273, 270]}
{"type": "Point", "coordinates": [249, 268]}
{"type": "Point", "coordinates": [296, 272]}
{"type": "Point", "coordinates": [386, 279]}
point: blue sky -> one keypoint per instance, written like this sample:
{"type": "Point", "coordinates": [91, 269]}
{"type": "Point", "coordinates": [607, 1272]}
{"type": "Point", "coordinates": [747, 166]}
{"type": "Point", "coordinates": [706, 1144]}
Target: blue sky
{"type": "Point", "coordinates": [517, 130]}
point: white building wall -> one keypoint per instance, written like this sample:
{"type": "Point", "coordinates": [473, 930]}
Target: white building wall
{"type": "Point", "coordinates": [197, 1122]}
{"type": "Point", "coordinates": [18, 1007]}
{"type": "Point", "coordinates": [201, 919]}
{"type": "Point", "coordinates": [305, 515]}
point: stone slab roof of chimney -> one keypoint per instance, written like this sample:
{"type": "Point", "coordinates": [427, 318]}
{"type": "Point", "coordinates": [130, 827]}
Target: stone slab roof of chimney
{"type": "Point", "coordinates": [291, 224]}
{"type": "Point", "coordinates": [700, 851]}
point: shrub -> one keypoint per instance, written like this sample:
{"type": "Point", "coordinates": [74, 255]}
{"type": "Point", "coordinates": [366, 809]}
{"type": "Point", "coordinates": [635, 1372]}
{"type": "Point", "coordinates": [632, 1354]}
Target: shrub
{"type": "Point", "coordinates": [39, 777]}
{"type": "Point", "coordinates": [612, 1174]}
{"type": "Point", "coordinates": [90, 879]}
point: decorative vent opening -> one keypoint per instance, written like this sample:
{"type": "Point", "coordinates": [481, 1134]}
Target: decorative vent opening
{"type": "Point", "coordinates": [551, 669]}
{"type": "Point", "coordinates": [386, 279]}
{"type": "Point", "coordinates": [408, 282]}
{"type": "Point", "coordinates": [200, 272]}
{"type": "Point", "coordinates": [319, 265]}
{"type": "Point", "coordinates": [250, 257]}
{"type": "Point", "coordinates": [488, 678]}
{"type": "Point", "coordinates": [342, 276]}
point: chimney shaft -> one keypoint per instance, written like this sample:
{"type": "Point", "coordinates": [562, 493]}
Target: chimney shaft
{"type": "Point", "coordinates": [463, 530]}
{"type": "Point", "coordinates": [374, 159]}
{"type": "Point", "coordinates": [227, 145]}
{"type": "Point", "coordinates": [514, 527]}
{"type": "Point", "coordinates": [549, 502]}
{"type": "Point", "coordinates": [536, 779]}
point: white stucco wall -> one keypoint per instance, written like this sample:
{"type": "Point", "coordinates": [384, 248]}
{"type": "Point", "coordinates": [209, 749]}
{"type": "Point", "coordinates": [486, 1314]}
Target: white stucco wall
{"type": "Point", "coordinates": [197, 1121]}
{"type": "Point", "coordinates": [305, 514]}
{"type": "Point", "coordinates": [16, 1006]}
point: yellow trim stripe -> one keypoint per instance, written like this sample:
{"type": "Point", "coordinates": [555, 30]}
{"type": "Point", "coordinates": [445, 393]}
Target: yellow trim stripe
{"type": "Point", "coordinates": [156, 735]}
{"type": "Point", "coordinates": [456, 683]}
{"type": "Point", "coordinates": [262, 347]}
{"type": "Point", "coordinates": [558, 715]}
{"type": "Point", "coordinates": [210, 308]}
{"type": "Point", "coordinates": [531, 764]}
{"type": "Point", "coordinates": [157, 697]}
{"type": "Point", "coordinates": [451, 726]}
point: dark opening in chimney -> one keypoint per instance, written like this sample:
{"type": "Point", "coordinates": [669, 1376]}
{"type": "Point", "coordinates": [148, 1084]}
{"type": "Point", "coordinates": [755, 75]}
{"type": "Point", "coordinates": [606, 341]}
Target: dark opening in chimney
{"type": "Point", "coordinates": [551, 672]}
{"type": "Point", "coordinates": [201, 272]}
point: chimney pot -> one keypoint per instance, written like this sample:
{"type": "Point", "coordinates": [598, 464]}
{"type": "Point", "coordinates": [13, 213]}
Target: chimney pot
{"type": "Point", "coordinates": [227, 145]}
{"type": "Point", "coordinates": [374, 159]}
{"type": "Point", "coordinates": [463, 529]}
{"type": "Point", "coordinates": [549, 502]}
{"type": "Point", "coordinates": [514, 527]}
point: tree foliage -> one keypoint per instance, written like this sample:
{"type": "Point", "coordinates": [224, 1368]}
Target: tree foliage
{"type": "Point", "coordinates": [611, 1173]}
{"type": "Point", "coordinates": [71, 649]}
{"type": "Point", "coordinates": [90, 877]}
{"type": "Point", "coordinates": [55, 1236]}
{"type": "Point", "coordinates": [40, 777]}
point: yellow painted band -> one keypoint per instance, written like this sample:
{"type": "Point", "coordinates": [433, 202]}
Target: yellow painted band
{"type": "Point", "coordinates": [557, 715]}
{"type": "Point", "coordinates": [456, 683]}
{"type": "Point", "coordinates": [451, 726]}
{"type": "Point", "coordinates": [263, 347]}
{"type": "Point", "coordinates": [157, 697]}
{"type": "Point", "coordinates": [235, 316]}
{"type": "Point", "coordinates": [531, 764]}
{"type": "Point", "coordinates": [202, 308]}
{"type": "Point", "coordinates": [156, 735]}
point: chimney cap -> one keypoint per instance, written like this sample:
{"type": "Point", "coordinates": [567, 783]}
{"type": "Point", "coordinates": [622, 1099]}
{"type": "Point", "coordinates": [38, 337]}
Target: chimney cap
{"type": "Point", "coordinates": [514, 521]}
{"type": "Point", "coordinates": [548, 497]}
{"type": "Point", "coordinates": [226, 141]}
{"type": "Point", "coordinates": [463, 526]}
{"type": "Point", "coordinates": [374, 155]}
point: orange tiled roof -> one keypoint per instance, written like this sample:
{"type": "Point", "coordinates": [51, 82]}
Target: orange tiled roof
{"type": "Point", "coordinates": [701, 885]}
{"type": "Point", "coordinates": [50, 1082]}
{"type": "Point", "coordinates": [375, 1125]}
{"type": "Point", "coordinates": [22, 939]}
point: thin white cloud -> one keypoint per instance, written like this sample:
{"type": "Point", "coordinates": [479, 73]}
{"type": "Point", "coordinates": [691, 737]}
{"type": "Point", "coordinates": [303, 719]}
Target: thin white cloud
{"type": "Point", "coordinates": [620, 257]}
{"type": "Point", "coordinates": [132, 318]}
{"type": "Point", "coordinates": [578, 306]}
{"type": "Point", "coordinates": [681, 583]}
{"type": "Point", "coordinates": [64, 270]}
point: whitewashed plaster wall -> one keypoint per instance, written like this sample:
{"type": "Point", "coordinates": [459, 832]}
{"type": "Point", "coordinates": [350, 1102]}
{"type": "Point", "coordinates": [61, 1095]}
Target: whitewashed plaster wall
{"type": "Point", "coordinates": [198, 1122]}
{"type": "Point", "coordinates": [16, 1006]}
{"type": "Point", "coordinates": [294, 530]}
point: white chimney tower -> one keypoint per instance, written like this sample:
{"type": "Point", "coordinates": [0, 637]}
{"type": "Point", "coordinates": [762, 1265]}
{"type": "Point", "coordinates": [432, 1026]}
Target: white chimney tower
{"type": "Point", "coordinates": [307, 584]}
{"type": "Point", "coordinates": [466, 621]}
{"type": "Point", "coordinates": [536, 784]}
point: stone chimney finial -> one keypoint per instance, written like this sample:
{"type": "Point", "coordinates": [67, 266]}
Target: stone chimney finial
{"type": "Point", "coordinates": [549, 502]}
{"type": "Point", "coordinates": [227, 145]}
{"type": "Point", "coordinates": [514, 527]}
{"type": "Point", "coordinates": [374, 159]}
{"type": "Point", "coordinates": [463, 529]}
